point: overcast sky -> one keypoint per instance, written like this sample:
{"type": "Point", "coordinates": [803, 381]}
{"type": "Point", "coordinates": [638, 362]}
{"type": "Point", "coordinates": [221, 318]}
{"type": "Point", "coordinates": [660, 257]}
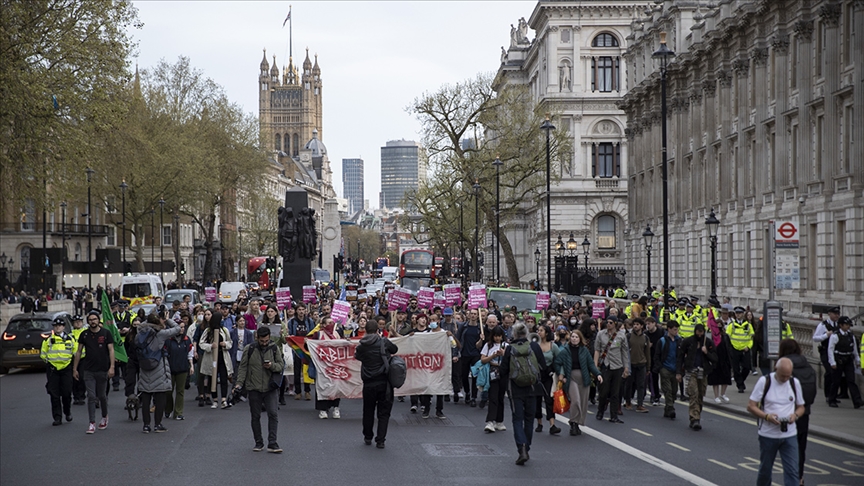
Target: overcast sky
{"type": "Point", "coordinates": [375, 57]}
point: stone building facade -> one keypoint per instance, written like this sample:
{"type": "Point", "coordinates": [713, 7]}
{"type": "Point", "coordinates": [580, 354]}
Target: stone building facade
{"type": "Point", "coordinates": [575, 67]}
{"type": "Point", "coordinates": [765, 101]}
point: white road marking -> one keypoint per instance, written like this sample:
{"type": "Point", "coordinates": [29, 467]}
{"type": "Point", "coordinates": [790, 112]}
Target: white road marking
{"type": "Point", "coordinates": [835, 446]}
{"type": "Point", "coordinates": [646, 434]}
{"type": "Point", "coordinates": [678, 447]}
{"type": "Point", "coordinates": [846, 471]}
{"type": "Point", "coordinates": [638, 454]}
{"type": "Point", "coordinates": [727, 466]}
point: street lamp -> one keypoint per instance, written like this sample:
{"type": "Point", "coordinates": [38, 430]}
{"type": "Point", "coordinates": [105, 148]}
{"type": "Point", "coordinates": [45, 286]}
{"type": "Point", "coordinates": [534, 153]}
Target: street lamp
{"type": "Point", "coordinates": [713, 225]}
{"type": "Point", "coordinates": [161, 246]}
{"type": "Point", "coordinates": [586, 246]}
{"type": "Point", "coordinates": [572, 245]}
{"type": "Point", "coordinates": [63, 242]}
{"type": "Point", "coordinates": [90, 173]}
{"type": "Point", "coordinates": [123, 187]}
{"type": "Point", "coordinates": [240, 267]}
{"type": "Point", "coordinates": [548, 127]}
{"type": "Point", "coordinates": [664, 54]}
{"type": "Point", "coordinates": [648, 236]}
{"type": "Point", "coordinates": [176, 244]}
{"type": "Point", "coordinates": [461, 244]}
{"type": "Point", "coordinates": [476, 187]}
{"type": "Point", "coordinates": [152, 239]}
{"type": "Point", "coordinates": [105, 264]}
{"type": "Point", "coordinates": [537, 264]}
{"type": "Point", "coordinates": [497, 243]}
{"type": "Point", "coordinates": [559, 246]}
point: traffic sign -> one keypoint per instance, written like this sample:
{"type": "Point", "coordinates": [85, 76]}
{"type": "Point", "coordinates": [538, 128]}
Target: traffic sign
{"type": "Point", "coordinates": [786, 234]}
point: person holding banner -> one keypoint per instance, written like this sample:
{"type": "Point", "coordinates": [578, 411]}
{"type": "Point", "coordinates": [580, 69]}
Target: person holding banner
{"type": "Point", "coordinates": [469, 335]}
{"type": "Point", "coordinates": [300, 325]}
{"type": "Point", "coordinates": [327, 331]}
{"type": "Point", "coordinates": [377, 391]}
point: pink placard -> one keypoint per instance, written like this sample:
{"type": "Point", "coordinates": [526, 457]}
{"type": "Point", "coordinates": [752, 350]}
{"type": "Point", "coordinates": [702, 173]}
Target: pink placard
{"type": "Point", "coordinates": [542, 300]}
{"type": "Point", "coordinates": [452, 294]}
{"type": "Point", "coordinates": [425, 297]}
{"type": "Point", "coordinates": [283, 297]}
{"type": "Point", "coordinates": [210, 294]}
{"type": "Point", "coordinates": [598, 309]}
{"type": "Point", "coordinates": [309, 295]}
{"type": "Point", "coordinates": [398, 299]}
{"type": "Point", "coordinates": [477, 296]}
{"type": "Point", "coordinates": [340, 312]}
{"type": "Point", "coordinates": [439, 300]}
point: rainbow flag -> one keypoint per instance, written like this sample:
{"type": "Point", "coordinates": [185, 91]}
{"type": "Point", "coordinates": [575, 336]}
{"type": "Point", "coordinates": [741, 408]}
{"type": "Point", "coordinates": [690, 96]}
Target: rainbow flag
{"type": "Point", "coordinates": [298, 344]}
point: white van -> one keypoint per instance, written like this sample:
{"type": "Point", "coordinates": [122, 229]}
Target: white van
{"type": "Point", "coordinates": [390, 274]}
{"type": "Point", "coordinates": [230, 291]}
{"type": "Point", "coordinates": [141, 288]}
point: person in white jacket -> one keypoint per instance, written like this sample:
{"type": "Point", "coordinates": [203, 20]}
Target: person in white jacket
{"type": "Point", "coordinates": [223, 369]}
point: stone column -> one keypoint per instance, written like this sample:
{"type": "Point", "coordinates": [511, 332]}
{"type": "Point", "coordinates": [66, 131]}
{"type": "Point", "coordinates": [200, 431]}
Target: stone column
{"type": "Point", "coordinates": [830, 16]}
{"type": "Point", "coordinates": [857, 161]}
{"type": "Point", "coordinates": [741, 67]}
{"type": "Point", "coordinates": [804, 36]}
{"type": "Point", "coordinates": [709, 89]}
{"type": "Point", "coordinates": [780, 45]}
{"type": "Point", "coordinates": [759, 56]}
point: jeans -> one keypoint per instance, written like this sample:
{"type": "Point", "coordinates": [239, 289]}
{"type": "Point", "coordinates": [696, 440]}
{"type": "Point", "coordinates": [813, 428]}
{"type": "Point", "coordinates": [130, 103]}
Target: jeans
{"type": "Point", "coordinates": [268, 400]}
{"type": "Point", "coordinates": [637, 378]}
{"type": "Point", "coordinates": [298, 376]}
{"type": "Point", "coordinates": [158, 401]}
{"type": "Point", "coordinates": [495, 412]}
{"type": "Point", "coordinates": [59, 387]}
{"type": "Point", "coordinates": [609, 391]}
{"type": "Point", "coordinates": [96, 383]}
{"type": "Point", "coordinates": [468, 384]}
{"type": "Point", "coordinates": [179, 383]}
{"type": "Point", "coordinates": [669, 386]}
{"type": "Point", "coordinates": [740, 367]}
{"type": "Point", "coordinates": [523, 419]}
{"type": "Point", "coordinates": [377, 397]}
{"type": "Point", "coordinates": [768, 449]}
{"type": "Point", "coordinates": [654, 380]}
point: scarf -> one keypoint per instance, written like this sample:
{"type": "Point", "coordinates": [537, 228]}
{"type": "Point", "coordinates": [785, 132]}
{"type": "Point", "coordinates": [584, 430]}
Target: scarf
{"type": "Point", "coordinates": [715, 329]}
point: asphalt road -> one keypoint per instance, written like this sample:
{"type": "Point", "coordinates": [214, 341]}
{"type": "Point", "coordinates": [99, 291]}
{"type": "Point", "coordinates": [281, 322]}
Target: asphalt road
{"type": "Point", "coordinates": [215, 446]}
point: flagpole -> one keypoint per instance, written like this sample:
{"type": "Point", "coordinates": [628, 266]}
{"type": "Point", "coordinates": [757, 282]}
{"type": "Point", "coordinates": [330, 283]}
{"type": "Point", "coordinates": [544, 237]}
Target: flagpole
{"type": "Point", "coordinates": [290, 33]}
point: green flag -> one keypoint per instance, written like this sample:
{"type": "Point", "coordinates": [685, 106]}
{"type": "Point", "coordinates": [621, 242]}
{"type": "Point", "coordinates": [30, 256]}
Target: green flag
{"type": "Point", "coordinates": [108, 323]}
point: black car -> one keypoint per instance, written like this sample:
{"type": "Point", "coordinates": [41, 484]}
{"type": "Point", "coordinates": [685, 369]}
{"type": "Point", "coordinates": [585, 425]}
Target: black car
{"type": "Point", "coordinates": [22, 340]}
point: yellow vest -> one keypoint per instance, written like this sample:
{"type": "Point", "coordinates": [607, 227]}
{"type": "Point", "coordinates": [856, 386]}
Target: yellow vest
{"type": "Point", "coordinates": [741, 335]}
{"type": "Point", "coordinates": [627, 311]}
{"type": "Point", "coordinates": [687, 325]}
{"type": "Point", "coordinates": [787, 332]}
{"type": "Point", "coordinates": [862, 352]}
{"type": "Point", "coordinates": [58, 352]}
{"type": "Point", "coordinates": [76, 333]}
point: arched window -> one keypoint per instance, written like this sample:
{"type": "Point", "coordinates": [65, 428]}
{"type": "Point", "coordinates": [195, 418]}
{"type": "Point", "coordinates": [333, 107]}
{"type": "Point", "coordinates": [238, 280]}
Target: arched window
{"type": "Point", "coordinates": [287, 148]}
{"type": "Point", "coordinates": [277, 142]}
{"type": "Point", "coordinates": [606, 232]}
{"type": "Point", "coordinates": [25, 257]}
{"type": "Point", "coordinates": [295, 145]}
{"type": "Point", "coordinates": [605, 40]}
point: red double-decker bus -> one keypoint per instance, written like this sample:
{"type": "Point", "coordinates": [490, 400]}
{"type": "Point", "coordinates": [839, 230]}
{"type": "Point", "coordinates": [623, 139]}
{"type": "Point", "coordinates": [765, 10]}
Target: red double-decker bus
{"type": "Point", "coordinates": [257, 271]}
{"type": "Point", "coordinates": [417, 268]}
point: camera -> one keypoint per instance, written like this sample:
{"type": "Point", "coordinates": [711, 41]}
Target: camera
{"type": "Point", "coordinates": [784, 424]}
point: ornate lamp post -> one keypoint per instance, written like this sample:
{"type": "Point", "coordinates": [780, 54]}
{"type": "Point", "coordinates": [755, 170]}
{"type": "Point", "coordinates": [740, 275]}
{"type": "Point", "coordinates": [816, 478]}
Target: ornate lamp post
{"type": "Point", "coordinates": [537, 265]}
{"type": "Point", "coordinates": [586, 247]}
{"type": "Point", "coordinates": [664, 54]}
{"type": "Point", "coordinates": [176, 243]}
{"type": "Point", "coordinates": [63, 242]}
{"type": "Point", "coordinates": [572, 245]}
{"type": "Point", "coordinates": [713, 225]}
{"type": "Point", "coordinates": [161, 243]}
{"type": "Point", "coordinates": [240, 267]}
{"type": "Point", "coordinates": [648, 236]}
{"type": "Point", "coordinates": [548, 127]}
{"type": "Point", "coordinates": [123, 187]}
{"type": "Point", "coordinates": [153, 238]}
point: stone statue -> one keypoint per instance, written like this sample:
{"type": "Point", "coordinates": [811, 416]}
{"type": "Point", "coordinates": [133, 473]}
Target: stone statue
{"type": "Point", "coordinates": [304, 233]}
{"type": "Point", "coordinates": [287, 234]}
{"type": "Point", "coordinates": [313, 234]}
{"type": "Point", "coordinates": [564, 81]}
{"type": "Point", "coordinates": [523, 31]}
{"type": "Point", "coordinates": [514, 36]}
{"type": "Point", "coordinates": [503, 55]}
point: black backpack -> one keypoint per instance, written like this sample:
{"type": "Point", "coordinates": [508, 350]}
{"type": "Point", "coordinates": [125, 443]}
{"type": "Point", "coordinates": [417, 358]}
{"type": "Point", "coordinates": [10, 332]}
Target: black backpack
{"type": "Point", "coordinates": [148, 359]}
{"type": "Point", "coordinates": [807, 377]}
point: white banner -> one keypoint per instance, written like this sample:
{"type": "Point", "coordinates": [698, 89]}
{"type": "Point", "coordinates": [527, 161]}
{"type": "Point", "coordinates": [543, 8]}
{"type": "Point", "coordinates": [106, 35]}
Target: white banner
{"type": "Point", "coordinates": [427, 356]}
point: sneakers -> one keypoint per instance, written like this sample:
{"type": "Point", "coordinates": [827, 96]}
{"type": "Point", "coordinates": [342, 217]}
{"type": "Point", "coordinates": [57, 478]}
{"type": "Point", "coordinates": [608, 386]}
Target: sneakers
{"type": "Point", "coordinates": [401, 399]}
{"type": "Point", "coordinates": [724, 398]}
{"type": "Point", "coordinates": [57, 422]}
{"type": "Point", "coordinates": [322, 414]}
{"type": "Point", "coordinates": [655, 403]}
{"type": "Point", "coordinates": [718, 400]}
{"type": "Point", "coordinates": [500, 426]}
{"type": "Point", "coordinates": [696, 425]}
{"type": "Point", "coordinates": [413, 408]}
{"type": "Point", "coordinates": [425, 413]}
{"type": "Point", "coordinates": [308, 396]}
{"type": "Point", "coordinates": [282, 401]}
{"type": "Point", "coordinates": [146, 429]}
{"type": "Point", "coordinates": [539, 428]}
{"type": "Point", "coordinates": [553, 430]}
{"type": "Point", "coordinates": [615, 420]}
{"type": "Point", "coordinates": [628, 407]}
{"type": "Point", "coordinates": [367, 441]}
{"type": "Point", "coordinates": [641, 409]}
{"type": "Point", "coordinates": [439, 414]}
{"type": "Point", "coordinates": [103, 424]}
{"type": "Point", "coordinates": [215, 405]}
{"type": "Point", "coordinates": [473, 403]}
{"type": "Point", "coordinates": [68, 417]}
{"type": "Point", "coordinates": [336, 414]}
{"type": "Point", "coordinates": [379, 445]}
{"type": "Point", "coordinates": [225, 404]}
{"type": "Point", "coordinates": [159, 428]}
{"type": "Point", "coordinates": [298, 396]}
{"type": "Point", "coordinates": [274, 448]}
{"type": "Point", "coordinates": [490, 427]}
{"type": "Point", "coordinates": [91, 429]}
{"type": "Point", "coordinates": [179, 417]}
{"type": "Point", "coordinates": [258, 448]}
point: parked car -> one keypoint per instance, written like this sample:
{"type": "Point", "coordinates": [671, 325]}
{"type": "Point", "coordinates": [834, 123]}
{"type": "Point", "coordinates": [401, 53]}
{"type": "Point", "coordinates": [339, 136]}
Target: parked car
{"type": "Point", "coordinates": [253, 287]}
{"type": "Point", "coordinates": [148, 308]}
{"type": "Point", "coordinates": [179, 294]}
{"type": "Point", "coordinates": [22, 339]}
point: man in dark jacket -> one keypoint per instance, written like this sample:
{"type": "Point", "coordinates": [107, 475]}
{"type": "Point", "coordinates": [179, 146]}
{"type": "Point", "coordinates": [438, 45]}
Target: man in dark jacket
{"type": "Point", "coordinates": [377, 391]}
{"type": "Point", "coordinates": [523, 399]}
{"type": "Point", "coordinates": [260, 360]}
{"type": "Point", "coordinates": [696, 359]}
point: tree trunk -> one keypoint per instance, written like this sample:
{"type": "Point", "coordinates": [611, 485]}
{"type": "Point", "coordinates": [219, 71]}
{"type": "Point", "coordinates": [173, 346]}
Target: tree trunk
{"type": "Point", "coordinates": [139, 247]}
{"type": "Point", "coordinates": [510, 260]}
{"type": "Point", "coordinates": [208, 248]}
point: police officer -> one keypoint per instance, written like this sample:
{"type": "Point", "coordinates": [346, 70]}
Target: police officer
{"type": "Point", "coordinates": [741, 335]}
{"type": "Point", "coordinates": [79, 391]}
{"type": "Point", "coordinates": [821, 335]}
{"type": "Point", "coordinates": [668, 312]}
{"type": "Point", "coordinates": [57, 352]}
{"type": "Point", "coordinates": [688, 319]}
{"type": "Point", "coordinates": [843, 360]}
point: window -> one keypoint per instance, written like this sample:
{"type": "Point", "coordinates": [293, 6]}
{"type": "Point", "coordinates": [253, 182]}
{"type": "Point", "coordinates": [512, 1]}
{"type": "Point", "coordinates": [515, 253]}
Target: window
{"type": "Point", "coordinates": [606, 232]}
{"type": "Point", "coordinates": [25, 257]}
{"type": "Point", "coordinates": [565, 36]}
{"type": "Point", "coordinates": [110, 204]}
{"type": "Point", "coordinates": [277, 142]}
{"type": "Point", "coordinates": [605, 40]}
{"type": "Point", "coordinates": [28, 215]}
{"type": "Point", "coordinates": [295, 144]}
{"type": "Point", "coordinates": [77, 252]}
{"type": "Point", "coordinates": [606, 159]}
{"type": "Point", "coordinates": [166, 235]}
{"type": "Point", "coordinates": [605, 71]}
{"type": "Point", "coordinates": [112, 236]}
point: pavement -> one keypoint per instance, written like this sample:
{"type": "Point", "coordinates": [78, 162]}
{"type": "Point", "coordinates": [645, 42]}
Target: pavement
{"type": "Point", "coordinates": [216, 445]}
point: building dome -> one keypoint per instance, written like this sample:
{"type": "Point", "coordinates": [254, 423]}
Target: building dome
{"type": "Point", "coordinates": [316, 146]}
